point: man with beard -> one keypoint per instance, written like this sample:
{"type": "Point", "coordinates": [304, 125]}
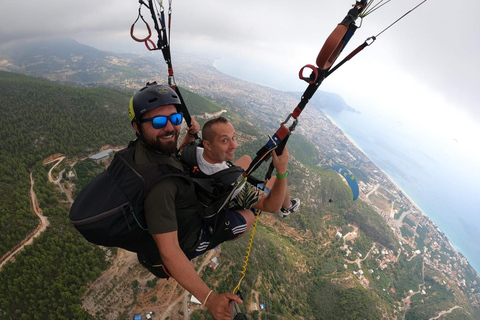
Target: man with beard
{"type": "Point", "coordinates": [172, 210]}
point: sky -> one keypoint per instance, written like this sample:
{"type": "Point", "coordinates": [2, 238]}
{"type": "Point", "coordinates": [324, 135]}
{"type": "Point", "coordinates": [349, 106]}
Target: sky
{"type": "Point", "coordinates": [420, 77]}
{"type": "Point", "coordinates": [432, 51]}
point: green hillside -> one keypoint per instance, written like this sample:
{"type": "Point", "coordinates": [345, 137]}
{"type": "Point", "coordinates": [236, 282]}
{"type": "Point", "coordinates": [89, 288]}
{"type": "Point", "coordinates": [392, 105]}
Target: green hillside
{"type": "Point", "coordinates": [40, 119]}
{"type": "Point", "coordinates": [299, 266]}
{"type": "Point", "coordinates": [197, 104]}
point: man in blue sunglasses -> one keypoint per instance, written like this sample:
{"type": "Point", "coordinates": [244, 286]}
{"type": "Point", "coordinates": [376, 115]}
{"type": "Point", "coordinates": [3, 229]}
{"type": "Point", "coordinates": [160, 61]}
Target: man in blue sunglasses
{"type": "Point", "coordinates": [172, 209]}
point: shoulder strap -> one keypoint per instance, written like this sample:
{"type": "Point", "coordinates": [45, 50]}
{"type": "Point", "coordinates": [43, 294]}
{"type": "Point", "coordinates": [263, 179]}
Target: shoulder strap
{"type": "Point", "coordinates": [189, 155]}
{"type": "Point", "coordinates": [150, 173]}
{"type": "Point", "coordinates": [227, 176]}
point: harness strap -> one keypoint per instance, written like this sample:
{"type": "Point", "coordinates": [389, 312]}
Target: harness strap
{"type": "Point", "coordinates": [339, 38]}
{"type": "Point", "coordinates": [328, 54]}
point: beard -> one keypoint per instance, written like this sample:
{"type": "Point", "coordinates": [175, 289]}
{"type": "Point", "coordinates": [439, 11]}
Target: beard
{"type": "Point", "coordinates": [163, 146]}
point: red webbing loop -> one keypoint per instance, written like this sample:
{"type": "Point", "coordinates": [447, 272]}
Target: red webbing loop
{"type": "Point", "coordinates": [309, 79]}
{"type": "Point", "coordinates": [296, 113]}
{"type": "Point", "coordinates": [354, 52]}
{"type": "Point", "coordinates": [149, 41]}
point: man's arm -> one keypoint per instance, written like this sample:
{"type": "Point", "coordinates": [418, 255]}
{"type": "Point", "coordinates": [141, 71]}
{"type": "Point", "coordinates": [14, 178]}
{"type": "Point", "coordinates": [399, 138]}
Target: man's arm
{"type": "Point", "coordinates": [183, 271]}
{"type": "Point", "coordinates": [274, 200]}
{"type": "Point", "coordinates": [191, 131]}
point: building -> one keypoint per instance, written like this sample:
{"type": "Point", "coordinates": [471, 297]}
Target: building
{"type": "Point", "coordinates": [194, 300]}
{"type": "Point", "coordinates": [214, 262]}
{"type": "Point", "coordinates": [101, 155]}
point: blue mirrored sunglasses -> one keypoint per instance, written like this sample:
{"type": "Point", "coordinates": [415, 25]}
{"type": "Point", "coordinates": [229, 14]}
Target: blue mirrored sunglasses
{"type": "Point", "coordinates": [160, 122]}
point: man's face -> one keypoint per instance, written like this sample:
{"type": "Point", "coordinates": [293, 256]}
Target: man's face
{"type": "Point", "coordinates": [165, 139]}
{"type": "Point", "coordinates": [223, 146]}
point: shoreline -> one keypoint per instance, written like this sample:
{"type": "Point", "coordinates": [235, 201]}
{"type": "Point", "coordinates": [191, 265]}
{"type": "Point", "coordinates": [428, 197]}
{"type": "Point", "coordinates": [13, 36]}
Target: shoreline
{"type": "Point", "coordinates": [380, 169]}
{"type": "Point", "coordinates": [399, 189]}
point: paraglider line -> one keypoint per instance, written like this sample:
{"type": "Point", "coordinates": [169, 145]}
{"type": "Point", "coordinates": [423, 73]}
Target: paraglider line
{"type": "Point", "coordinates": [403, 16]}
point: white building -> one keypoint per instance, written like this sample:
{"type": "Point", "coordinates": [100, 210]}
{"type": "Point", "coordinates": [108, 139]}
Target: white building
{"type": "Point", "coordinates": [101, 155]}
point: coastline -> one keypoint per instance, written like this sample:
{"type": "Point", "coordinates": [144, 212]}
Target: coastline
{"type": "Point", "coordinates": [398, 188]}
{"type": "Point", "coordinates": [417, 207]}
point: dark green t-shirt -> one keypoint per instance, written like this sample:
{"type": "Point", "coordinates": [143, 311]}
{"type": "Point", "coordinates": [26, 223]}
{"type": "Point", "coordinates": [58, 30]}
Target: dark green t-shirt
{"type": "Point", "coordinates": [172, 204]}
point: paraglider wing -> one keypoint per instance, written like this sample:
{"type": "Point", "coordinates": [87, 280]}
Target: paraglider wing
{"type": "Point", "coordinates": [350, 178]}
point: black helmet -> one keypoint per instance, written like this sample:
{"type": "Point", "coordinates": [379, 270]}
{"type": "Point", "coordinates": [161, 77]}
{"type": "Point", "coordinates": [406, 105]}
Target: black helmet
{"type": "Point", "coordinates": [150, 97]}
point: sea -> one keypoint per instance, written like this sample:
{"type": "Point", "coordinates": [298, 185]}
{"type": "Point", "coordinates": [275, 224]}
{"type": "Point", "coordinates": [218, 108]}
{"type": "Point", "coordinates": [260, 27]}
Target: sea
{"type": "Point", "coordinates": [439, 176]}
{"type": "Point", "coordinates": [438, 168]}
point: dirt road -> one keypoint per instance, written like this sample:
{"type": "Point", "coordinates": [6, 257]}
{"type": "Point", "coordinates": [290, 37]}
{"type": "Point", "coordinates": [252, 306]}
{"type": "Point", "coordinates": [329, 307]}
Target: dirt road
{"type": "Point", "coordinates": [29, 239]}
{"type": "Point", "coordinates": [184, 296]}
{"type": "Point", "coordinates": [442, 313]}
{"type": "Point", "coordinates": [38, 211]}
{"type": "Point", "coordinates": [58, 181]}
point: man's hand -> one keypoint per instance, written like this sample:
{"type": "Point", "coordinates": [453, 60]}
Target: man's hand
{"type": "Point", "coordinates": [281, 162]}
{"type": "Point", "coordinates": [219, 305]}
{"type": "Point", "coordinates": [194, 128]}
{"type": "Point", "coordinates": [191, 131]}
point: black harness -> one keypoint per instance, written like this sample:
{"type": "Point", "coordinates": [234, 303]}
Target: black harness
{"type": "Point", "coordinates": [209, 188]}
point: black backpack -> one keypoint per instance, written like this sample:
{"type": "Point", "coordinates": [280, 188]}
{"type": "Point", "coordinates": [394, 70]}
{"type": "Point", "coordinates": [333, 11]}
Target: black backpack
{"type": "Point", "coordinates": [109, 210]}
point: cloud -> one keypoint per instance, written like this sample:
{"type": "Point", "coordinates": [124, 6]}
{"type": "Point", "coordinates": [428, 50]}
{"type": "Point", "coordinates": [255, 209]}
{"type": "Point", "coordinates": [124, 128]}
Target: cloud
{"type": "Point", "coordinates": [435, 44]}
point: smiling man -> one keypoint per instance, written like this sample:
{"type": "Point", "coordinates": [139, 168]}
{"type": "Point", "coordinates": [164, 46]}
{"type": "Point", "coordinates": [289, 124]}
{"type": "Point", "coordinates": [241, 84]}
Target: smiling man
{"type": "Point", "coordinates": [172, 210]}
{"type": "Point", "coordinates": [174, 215]}
{"type": "Point", "coordinates": [219, 144]}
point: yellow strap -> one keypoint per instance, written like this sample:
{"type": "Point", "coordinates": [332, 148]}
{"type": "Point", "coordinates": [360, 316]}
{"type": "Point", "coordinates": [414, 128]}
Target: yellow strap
{"type": "Point", "coordinates": [247, 253]}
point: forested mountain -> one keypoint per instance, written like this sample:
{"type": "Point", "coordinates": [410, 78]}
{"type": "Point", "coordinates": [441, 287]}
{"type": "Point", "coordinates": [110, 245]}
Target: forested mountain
{"type": "Point", "coordinates": [40, 119]}
{"type": "Point", "coordinates": [300, 268]}
{"type": "Point", "coordinates": [69, 62]}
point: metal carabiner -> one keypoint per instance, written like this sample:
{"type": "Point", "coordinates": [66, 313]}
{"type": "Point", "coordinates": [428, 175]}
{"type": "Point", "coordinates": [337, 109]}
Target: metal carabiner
{"type": "Point", "coordinates": [286, 120]}
{"type": "Point", "coordinates": [294, 123]}
{"type": "Point", "coordinates": [370, 40]}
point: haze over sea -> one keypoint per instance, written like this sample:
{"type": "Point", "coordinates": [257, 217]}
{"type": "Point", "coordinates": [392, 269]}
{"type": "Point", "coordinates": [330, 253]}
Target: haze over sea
{"type": "Point", "coordinates": [431, 154]}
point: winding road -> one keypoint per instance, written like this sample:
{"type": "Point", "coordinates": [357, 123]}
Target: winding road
{"type": "Point", "coordinates": [442, 313]}
{"type": "Point", "coordinates": [38, 211]}
{"type": "Point", "coordinates": [29, 239]}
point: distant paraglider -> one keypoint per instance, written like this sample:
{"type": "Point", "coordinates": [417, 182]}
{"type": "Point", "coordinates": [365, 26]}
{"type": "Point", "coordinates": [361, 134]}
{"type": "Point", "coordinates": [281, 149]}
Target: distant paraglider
{"type": "Point", "coordinates": [350, 178]}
